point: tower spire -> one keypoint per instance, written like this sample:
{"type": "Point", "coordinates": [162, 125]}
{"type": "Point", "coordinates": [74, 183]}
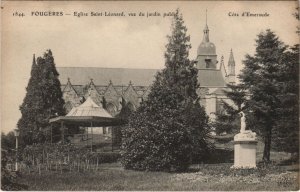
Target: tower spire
{"type": "Point", "coordinates": [206, 17]}
{"type": "Point", "coordinates": [206, 30]}
{"type": "Point", "coordinates": [231, 64]}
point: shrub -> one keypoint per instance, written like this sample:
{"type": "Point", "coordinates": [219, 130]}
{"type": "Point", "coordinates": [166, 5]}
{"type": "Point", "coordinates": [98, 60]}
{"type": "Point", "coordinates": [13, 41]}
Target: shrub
{"type": "Point", "coordinates": [107, 157]}
{"type": "Point", "coordinates": [8, 178]}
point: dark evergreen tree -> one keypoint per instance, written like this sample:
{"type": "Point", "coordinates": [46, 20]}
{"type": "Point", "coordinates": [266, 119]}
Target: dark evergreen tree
{"type": "Point", "coordinates": [43, 101]}
{"type": "Point", "coordinates": [261, 78]}
{"type": "Point", "coordinates": [124, 117]}
{"type": "Point", "coordinates": [31, 106]}
{"type": "Point", "coordinates": [286, 131]}
{"type": "Point", "coordinates": [229, 121]}
{"type": "Point", "coordinates": [52, 96]}
{"type": "Point", "coordinates": [170, 126]}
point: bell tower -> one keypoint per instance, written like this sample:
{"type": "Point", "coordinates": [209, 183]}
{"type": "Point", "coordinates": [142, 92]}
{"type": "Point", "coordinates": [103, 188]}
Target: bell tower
{"type": "Point", "coordinates": [206, 53]}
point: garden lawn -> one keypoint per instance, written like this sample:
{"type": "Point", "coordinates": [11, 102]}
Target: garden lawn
{"type": "Point", "coordinates": [201, 177]}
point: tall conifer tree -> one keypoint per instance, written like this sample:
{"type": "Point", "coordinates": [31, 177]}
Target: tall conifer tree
{"type": "Point", "coordinates": [30, 107]}
{"type": "Point", "coordinates": [170, 126]}
{"type": "Point", "coordinates": [43, 100]}
{"type": "Point", "coordinates": [286, 130]}
{"type": "Point", "coordinates": [261, 77]}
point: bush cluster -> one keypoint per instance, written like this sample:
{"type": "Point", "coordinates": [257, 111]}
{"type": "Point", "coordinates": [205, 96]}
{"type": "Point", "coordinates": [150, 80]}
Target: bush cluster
{"type": "Point", "coordinates": [8, 177]}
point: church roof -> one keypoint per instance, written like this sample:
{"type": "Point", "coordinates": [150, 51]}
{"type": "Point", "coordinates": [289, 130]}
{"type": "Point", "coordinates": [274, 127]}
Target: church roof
{"type": "Point", "coordinates": [141, 78]}
{"type": "Point", "coordinates": [79, 89]}
{"type": "Point", "coordinates": [102, 76]}
{"type": "Point", "coordinates": [211, 78]}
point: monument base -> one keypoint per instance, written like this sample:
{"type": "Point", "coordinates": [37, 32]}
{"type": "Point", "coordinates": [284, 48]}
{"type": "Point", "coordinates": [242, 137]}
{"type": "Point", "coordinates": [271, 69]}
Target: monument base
{"type": "Point", "coordinates": [245, 150]}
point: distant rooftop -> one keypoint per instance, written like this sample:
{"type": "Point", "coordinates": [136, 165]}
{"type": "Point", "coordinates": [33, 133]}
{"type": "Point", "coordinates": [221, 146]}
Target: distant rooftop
{"type": "Point", "coordinates": [122, 76]}
{"type": "Point", "coordinates": [102, 76]}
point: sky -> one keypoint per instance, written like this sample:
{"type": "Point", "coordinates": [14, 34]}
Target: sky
{"type": "Point", "coordinates": [124, 41]}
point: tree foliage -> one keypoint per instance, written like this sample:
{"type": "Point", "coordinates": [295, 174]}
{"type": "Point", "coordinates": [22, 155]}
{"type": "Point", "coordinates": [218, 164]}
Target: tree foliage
{"type": "Point", "coordinates": [229, 121]}
{"type": "Point", "coordinates": [286, 130]}
{"type": "Point", "coordinates": [8, 178]}
{"type": "Point", "coordinates": [270, 76]}
{"type": "Point", "coordinates": [43, 101]}
{"type": "Point", "coordinates": [8, 141]}
{"type": "Point", "coordinates": [170, 127]}
{"type": "Point", "coordinates": [124, 117]}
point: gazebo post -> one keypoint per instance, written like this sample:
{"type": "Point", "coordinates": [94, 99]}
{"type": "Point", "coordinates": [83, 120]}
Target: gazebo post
{"type": "Point", "coordinates": [112, 140]}
{"type": "Point", "coordinates": [87, 136]}
{"type": "Point", "coordinates": [92, 136]}
{"type": "Point", "coordinates": [62, 132]}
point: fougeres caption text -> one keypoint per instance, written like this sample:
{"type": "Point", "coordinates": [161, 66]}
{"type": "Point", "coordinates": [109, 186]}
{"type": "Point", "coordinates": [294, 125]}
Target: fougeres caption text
{"type": "Point", "coordinates": [80, 14]}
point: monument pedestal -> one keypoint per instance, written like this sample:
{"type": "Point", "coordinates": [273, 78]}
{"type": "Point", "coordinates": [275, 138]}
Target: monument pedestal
{"type": "Point", "coordinates": [245, 150]}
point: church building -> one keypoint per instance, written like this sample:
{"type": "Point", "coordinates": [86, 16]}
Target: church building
{"type": "Point", "coordinates": [116, 85]}
{"type": "Point", "coordinates": [213, 79]}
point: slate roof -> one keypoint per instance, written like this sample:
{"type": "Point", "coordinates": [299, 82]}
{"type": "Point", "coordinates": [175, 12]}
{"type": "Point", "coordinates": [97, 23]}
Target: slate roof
{"type": "Point", "coordinates": [101, 89]}
{"type": "Point", "coordinates": [120, 89]}
{"type": "Point", "coordinates": [140, 78]}
{"type": "Point", "coordinates": [79, 89]}
{"type": "Point", "coordinates": [102, 76]}
{"type": "Point", "coordinates": [211, 78]}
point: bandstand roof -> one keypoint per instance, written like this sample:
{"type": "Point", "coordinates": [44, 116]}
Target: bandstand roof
{"type": "Point", "coordinates": [88, 114]}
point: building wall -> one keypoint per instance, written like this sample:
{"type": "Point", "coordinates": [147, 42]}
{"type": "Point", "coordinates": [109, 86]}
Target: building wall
{"type": "Point", "coordinates": [112, 97]}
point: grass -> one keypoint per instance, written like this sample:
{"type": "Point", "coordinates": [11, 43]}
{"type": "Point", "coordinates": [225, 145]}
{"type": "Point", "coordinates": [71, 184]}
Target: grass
{"type": "Point", "coordinates": [201, 177]}
{"type": "Point", "coordinates": [215, 174]}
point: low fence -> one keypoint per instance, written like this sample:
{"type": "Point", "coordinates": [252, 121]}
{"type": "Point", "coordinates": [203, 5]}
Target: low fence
{"type": "Point", "coordinates": [61, 158]}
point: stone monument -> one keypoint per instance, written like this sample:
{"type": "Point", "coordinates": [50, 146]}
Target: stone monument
{"type": "Point", "coordinates": [244, 147]}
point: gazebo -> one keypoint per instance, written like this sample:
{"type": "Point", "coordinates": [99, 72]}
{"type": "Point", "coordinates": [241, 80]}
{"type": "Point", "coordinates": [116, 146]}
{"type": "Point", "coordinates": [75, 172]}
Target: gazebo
{"type": "Point", "coordinates": [88, 114]}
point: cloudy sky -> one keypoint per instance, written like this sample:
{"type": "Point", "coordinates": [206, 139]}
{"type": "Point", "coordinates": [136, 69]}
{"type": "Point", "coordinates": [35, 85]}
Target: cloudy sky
{"type": "Point", "coordinates": [119, 42]}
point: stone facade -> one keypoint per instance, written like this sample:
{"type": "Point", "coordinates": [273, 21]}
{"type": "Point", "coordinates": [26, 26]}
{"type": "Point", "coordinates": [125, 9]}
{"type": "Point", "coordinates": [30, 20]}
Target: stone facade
{"type": "Point", "coordinates": [111, 95]}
